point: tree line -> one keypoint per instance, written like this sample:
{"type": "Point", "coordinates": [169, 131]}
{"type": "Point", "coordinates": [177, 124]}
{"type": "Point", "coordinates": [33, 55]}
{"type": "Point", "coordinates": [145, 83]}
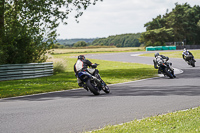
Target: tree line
{"type": "Point", "coordinates": [182, 24]}
{"type": "Point", "coordinates": [123, 40]}
{"type": "Point", "coordinates": [69, 42]}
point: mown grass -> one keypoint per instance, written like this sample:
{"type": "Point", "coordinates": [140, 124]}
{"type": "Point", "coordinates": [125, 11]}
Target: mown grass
{"type": "Point", "coordinates": [96, 50]}
{"type": "Point", "coordinates": [175, 54]}
{"type": "Point", "coordinates": [176, 122]}
{"type": "Point", "coordinates": [110, 71]}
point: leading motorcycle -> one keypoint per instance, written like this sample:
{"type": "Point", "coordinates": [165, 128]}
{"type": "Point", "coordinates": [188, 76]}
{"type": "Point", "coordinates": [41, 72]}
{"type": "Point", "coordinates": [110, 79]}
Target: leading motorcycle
{"type": "Point", "coordinates": [94, 83]}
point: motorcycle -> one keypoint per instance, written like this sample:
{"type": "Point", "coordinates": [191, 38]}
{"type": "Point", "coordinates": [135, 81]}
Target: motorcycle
{"type": "Point", "coordinates": [190, 60]}
{"type": "Point", "coordinates": [166, 69]}
{"type": "Point", "coordinates": [93, 83]}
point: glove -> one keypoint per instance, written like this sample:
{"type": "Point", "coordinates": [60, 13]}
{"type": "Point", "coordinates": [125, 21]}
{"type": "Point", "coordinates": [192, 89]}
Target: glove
{"type": "Point", "coordinates": [94, 65]}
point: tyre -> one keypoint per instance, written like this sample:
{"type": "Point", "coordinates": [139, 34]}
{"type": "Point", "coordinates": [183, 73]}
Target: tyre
{"type": "Point", "coordinates": [192, 63]}
{"type": "Point", "coordinates": [106, 90]}
{"type": "Point", "coordinates": [92, 87]}
{"type": "Point", "coordinates": [168, 73]}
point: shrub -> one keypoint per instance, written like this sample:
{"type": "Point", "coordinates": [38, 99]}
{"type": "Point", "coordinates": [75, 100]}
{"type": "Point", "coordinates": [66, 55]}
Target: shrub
{"type": "Point", "coordinates": [59, 67]}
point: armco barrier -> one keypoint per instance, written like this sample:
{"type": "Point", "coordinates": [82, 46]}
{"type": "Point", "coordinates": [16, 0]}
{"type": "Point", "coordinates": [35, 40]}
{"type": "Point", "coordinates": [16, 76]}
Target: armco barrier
{"type": "Point", "coordinates": [154, 48]}
{"type": "Point", "coordinates": [23, 71]}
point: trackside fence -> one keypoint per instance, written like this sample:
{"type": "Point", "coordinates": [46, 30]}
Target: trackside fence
{"type": "Point", "coordinates": [24, 71]}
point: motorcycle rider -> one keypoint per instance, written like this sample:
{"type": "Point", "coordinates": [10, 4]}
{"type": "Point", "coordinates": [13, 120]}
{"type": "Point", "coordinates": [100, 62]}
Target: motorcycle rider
{"type": "Point", "coordinates": [158, 60]}
{"type": "Point", "coordinates": [185, 53]}
{"type": "Point", "coordinates": [81, 65]}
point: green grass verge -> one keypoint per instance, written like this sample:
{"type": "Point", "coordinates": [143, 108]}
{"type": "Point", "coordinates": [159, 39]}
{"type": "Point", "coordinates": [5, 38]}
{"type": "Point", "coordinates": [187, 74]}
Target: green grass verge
{"type": "Point", "coordinates": [175, 54]}
{"type": "Point", "coordinates": [110, 71]}
{"type": "Point", "coordinates": [177, 122]}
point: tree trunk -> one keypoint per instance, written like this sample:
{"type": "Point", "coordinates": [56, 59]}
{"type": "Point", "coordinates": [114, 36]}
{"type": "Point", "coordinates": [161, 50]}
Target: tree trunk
{"type": "Point", "coordinates": [1, 18]}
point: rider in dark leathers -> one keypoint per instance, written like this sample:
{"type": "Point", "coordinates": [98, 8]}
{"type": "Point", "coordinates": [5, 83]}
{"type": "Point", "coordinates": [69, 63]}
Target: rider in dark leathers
{"type": "Point", "coordinates": [158, 60]}
{"type": "Point", "coordinates": [81, 65]}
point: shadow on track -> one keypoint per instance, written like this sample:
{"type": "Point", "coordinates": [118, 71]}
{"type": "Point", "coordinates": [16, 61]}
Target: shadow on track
{"type": "Point", "coordinates": [131, 89]}
{"type": "Point", "coordinates": [157, 91]}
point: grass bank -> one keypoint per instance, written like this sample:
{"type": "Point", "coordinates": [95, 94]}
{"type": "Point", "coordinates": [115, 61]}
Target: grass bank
{"type": "Point", "coordinates": [111, 72]}
{"type": "Point", "coordinates": [175, 54]}
{"type": "Point", "coordinates": [176, 122]}
{"type": "Point", "coordinates": [96, 50]}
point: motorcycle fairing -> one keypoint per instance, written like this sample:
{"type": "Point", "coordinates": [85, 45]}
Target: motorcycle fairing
{"type": "Point", "coordinates": [84, 76]}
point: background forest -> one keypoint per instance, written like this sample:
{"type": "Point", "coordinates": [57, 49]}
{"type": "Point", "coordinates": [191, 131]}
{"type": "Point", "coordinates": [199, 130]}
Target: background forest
{"type": "Point", "coordinates": [123, 40]}
{"type": "Point", "coordinates": [182, 24]}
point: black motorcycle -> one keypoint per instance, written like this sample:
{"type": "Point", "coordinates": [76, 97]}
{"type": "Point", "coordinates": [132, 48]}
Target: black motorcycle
{"type": "Point", "coordinates": [190, 60]}
{"type": "Point", "coordinates": [93, 82]}
{"type": "Point", "coordinates": [166, 69]}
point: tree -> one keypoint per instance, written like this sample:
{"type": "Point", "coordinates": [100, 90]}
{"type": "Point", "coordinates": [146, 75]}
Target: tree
{"type": "Point", "coordinates": [157, 36]}
{"type": "Point", "coordinates": [178, 25]}
{"type": "Point", "coordinates": [28, 27]}
{"type": "Point", "coordinates": [156, 23]}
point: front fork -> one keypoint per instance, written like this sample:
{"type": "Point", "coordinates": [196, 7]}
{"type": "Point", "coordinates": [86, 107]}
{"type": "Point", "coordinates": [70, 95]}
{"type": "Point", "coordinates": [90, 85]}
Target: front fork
{"type": "Point", "coordinates": [172, 70]}
{"type": "Point", "coordinates": [100, 82]}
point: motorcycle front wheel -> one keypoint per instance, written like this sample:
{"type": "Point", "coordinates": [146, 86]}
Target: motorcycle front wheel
{"type": "Point", "coordinates": [93, 87]}
{"type": "Point", "coordinates": [192, 63]}
{"type": "Point", "coordinates": [106, 88]}
{"type": "Point", "coordinates": [168, 73]}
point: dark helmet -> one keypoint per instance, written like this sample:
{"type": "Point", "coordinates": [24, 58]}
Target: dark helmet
{"type": "Point", "coordinates": [156, 54]}
{"type": "Point", "coordinates": [81, 57]}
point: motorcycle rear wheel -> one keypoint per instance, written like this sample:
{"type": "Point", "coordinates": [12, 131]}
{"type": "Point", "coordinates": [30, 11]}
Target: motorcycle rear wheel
{"type": "Point", "coordinates": [92, 87]}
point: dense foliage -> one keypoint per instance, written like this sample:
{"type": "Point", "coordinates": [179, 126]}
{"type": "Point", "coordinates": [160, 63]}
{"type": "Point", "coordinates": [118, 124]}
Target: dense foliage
{"type": "Point", "coordinates": [123, 40]}
{"type": "Point", "coordinates": [182, 24]}
{"type": "Point", "coordinates": [28, 27]}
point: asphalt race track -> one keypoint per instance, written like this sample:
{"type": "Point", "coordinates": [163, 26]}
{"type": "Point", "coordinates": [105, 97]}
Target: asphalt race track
{"type": "Point", "coordinates": [78, 110]}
